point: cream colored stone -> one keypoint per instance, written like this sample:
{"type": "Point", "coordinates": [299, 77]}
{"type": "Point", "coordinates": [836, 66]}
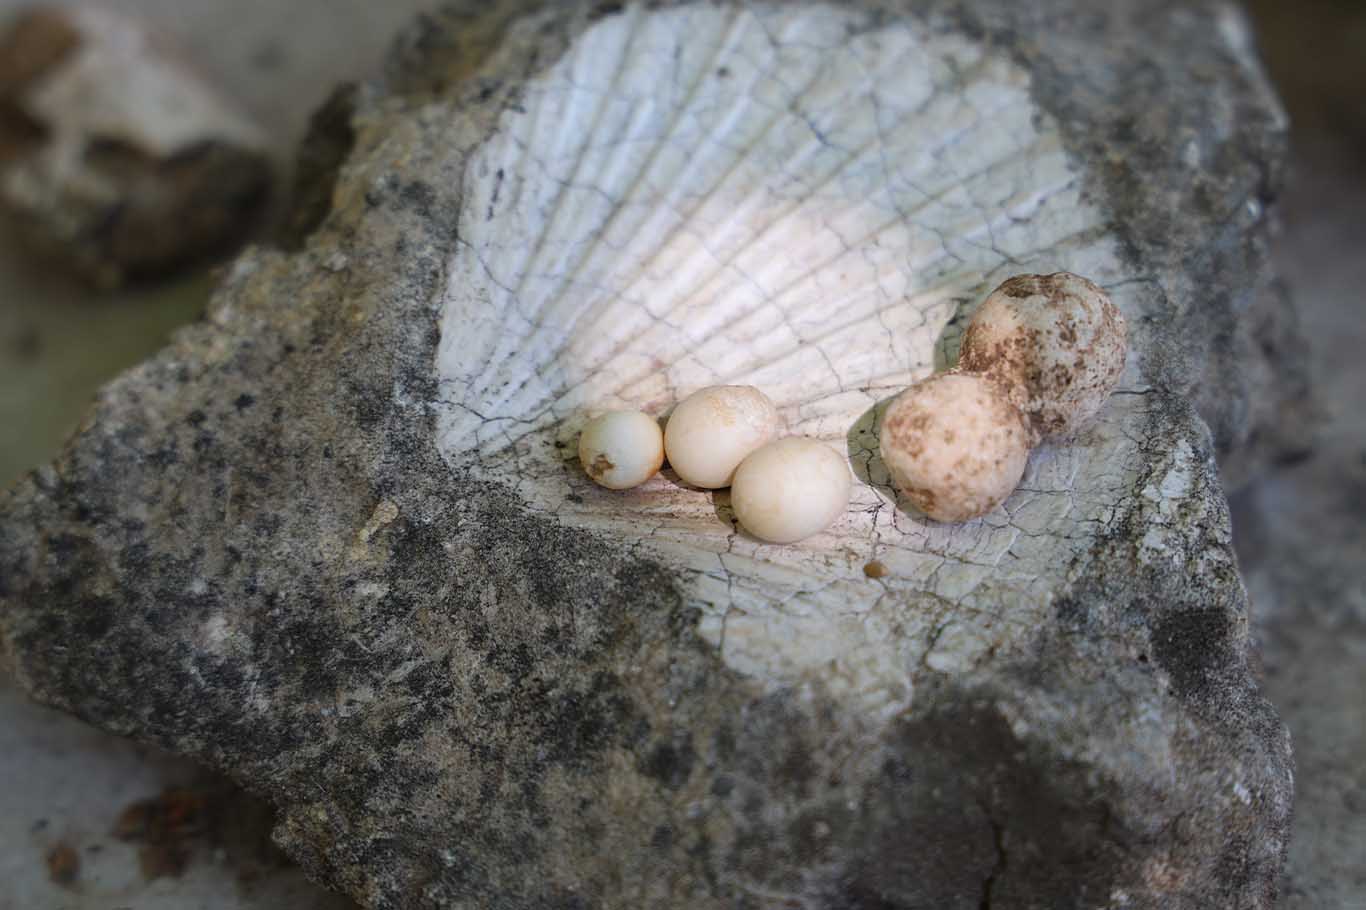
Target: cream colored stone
{"type": "Point", "coordinates": [714, 429]}
{"type": "Point", "coordinates": [790, 489]}
{"type": "Point", "coordinates": [621, 449]}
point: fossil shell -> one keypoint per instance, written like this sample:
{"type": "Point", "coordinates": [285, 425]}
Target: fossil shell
{"type": "Point", "coordinates": [796, 202]}
{"type": "Point", "coordinates": [471, 676]}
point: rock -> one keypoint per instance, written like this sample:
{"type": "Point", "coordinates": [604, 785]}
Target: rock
{"type": "Point", "coordinates": [114, 153]}
{"type": "Point", "coordinates": [334, 540]}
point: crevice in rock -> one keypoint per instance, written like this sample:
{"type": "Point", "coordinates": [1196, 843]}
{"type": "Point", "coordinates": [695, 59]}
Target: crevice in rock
{"type": "Point", "coordinates": [989, 883]}
{"type": "Point", "coordinates": [328, 144]}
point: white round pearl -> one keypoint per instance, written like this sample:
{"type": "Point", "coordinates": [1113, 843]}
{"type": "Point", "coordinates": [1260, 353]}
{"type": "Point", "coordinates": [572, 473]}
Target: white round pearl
{"type": "Point", "coordinates": [621, 449]}
{"type": "Point", "coordinates": [713, 429]}
{"type": "Point", "coordinates": [790, 489]}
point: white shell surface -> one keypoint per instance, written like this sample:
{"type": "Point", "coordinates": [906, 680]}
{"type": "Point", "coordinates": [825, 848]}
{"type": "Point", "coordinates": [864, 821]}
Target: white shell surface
{"type": "Point", "coordinates": [803, 199]}
{"type": "Point", "coordinates": [790, 489]}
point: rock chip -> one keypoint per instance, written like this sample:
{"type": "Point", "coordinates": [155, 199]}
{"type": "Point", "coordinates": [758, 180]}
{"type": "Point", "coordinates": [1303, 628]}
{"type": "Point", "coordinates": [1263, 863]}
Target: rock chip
{"type": "Point", "coordinates": [334, 540]}
{"type": "Point", "coordinates": [115, 154]}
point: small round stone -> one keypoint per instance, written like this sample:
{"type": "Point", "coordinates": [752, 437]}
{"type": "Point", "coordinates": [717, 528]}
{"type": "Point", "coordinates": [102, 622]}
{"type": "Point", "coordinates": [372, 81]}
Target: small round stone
{"type": "Point", "coordinates": [875, 569]}
{"type": "Point", "coordinates": [790, 489]}
{"type": "Point", "coordinates": [621, 449]}
{"type": "Point", "coordinates": [955, 445]}
{"type": "Point", "coordinates": [714, 429]}
{"type": "Point", "coordinates": [1057, 344]}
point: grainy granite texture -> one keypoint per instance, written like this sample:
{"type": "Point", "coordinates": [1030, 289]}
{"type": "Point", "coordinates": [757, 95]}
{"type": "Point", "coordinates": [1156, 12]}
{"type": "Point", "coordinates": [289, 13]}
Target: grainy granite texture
{"type": "Point", "coordinates": [254, 554]}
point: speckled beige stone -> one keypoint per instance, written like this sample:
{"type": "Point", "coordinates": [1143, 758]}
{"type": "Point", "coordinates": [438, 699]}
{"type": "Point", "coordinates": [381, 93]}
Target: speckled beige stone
{"type": "Point", "coordinates": [955, 445]}
{"type": "Point", "coordinates": [1056, 342]}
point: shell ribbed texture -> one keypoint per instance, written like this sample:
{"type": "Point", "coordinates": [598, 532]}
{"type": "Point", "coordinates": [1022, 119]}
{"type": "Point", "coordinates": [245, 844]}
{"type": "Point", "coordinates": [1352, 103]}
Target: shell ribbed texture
{"type": "Point", "coordinates": [797, 198]}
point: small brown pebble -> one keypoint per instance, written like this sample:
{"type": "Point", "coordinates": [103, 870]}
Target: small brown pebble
{"type": "Point", "coordinates": [63, 864]}
{"type": "Point", "coordinates": [134, 821]}
{"type": "Point", "coordinates": [177, 813]}
{"type": "Point", "coordinates": [875, 569]}
{"type": "Point", "coordinates": [165, 825]}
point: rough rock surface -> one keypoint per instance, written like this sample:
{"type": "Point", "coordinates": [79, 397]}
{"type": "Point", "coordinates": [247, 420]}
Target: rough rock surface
{"type": "Point", "coordinates": [114, 153]}
{"type": "Point", "coordinates": [266, 549]}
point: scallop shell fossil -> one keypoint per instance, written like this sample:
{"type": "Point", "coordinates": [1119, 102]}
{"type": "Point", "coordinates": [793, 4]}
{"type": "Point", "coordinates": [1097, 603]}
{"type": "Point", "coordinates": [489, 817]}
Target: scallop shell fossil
{"type": "Point", "coordinates": [802, 200]}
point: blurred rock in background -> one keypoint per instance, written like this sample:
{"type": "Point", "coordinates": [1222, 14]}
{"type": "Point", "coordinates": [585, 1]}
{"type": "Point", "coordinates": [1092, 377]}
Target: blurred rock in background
{"type": "Point", "coordinates": [1301, 531]}
{"type": "Point", "coordinates": [115, 156]}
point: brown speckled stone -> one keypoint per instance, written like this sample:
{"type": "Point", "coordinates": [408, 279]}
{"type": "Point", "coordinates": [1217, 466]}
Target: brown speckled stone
{"type": "Point", "coordinates": [1054, 343]}
{"type": "Point", "coordinates": [955, 445]}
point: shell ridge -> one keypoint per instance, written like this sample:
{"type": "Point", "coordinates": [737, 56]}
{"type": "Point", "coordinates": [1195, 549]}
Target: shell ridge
{"type": "Point", "coordinates": [734, 25]}
{"type": "Point", "coordinates": [931, 199]}
{"type": "Point", "coordinates": [680, 277]}
{"type": "Point", "coordinates": [882, 228]}
{"type": "Point", "coordinates": [557, 210]}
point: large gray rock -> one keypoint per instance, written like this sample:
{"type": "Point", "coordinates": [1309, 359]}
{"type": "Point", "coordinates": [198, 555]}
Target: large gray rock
{"type": "Point", "coordinates": [333, 541]}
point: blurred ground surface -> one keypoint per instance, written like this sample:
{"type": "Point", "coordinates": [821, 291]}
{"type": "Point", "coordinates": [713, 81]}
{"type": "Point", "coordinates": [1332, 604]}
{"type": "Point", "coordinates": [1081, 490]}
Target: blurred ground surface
{"type": "Point", "coordinates": [1301, 533]}
{"type": "Point", "coordinates": [65, 788]}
